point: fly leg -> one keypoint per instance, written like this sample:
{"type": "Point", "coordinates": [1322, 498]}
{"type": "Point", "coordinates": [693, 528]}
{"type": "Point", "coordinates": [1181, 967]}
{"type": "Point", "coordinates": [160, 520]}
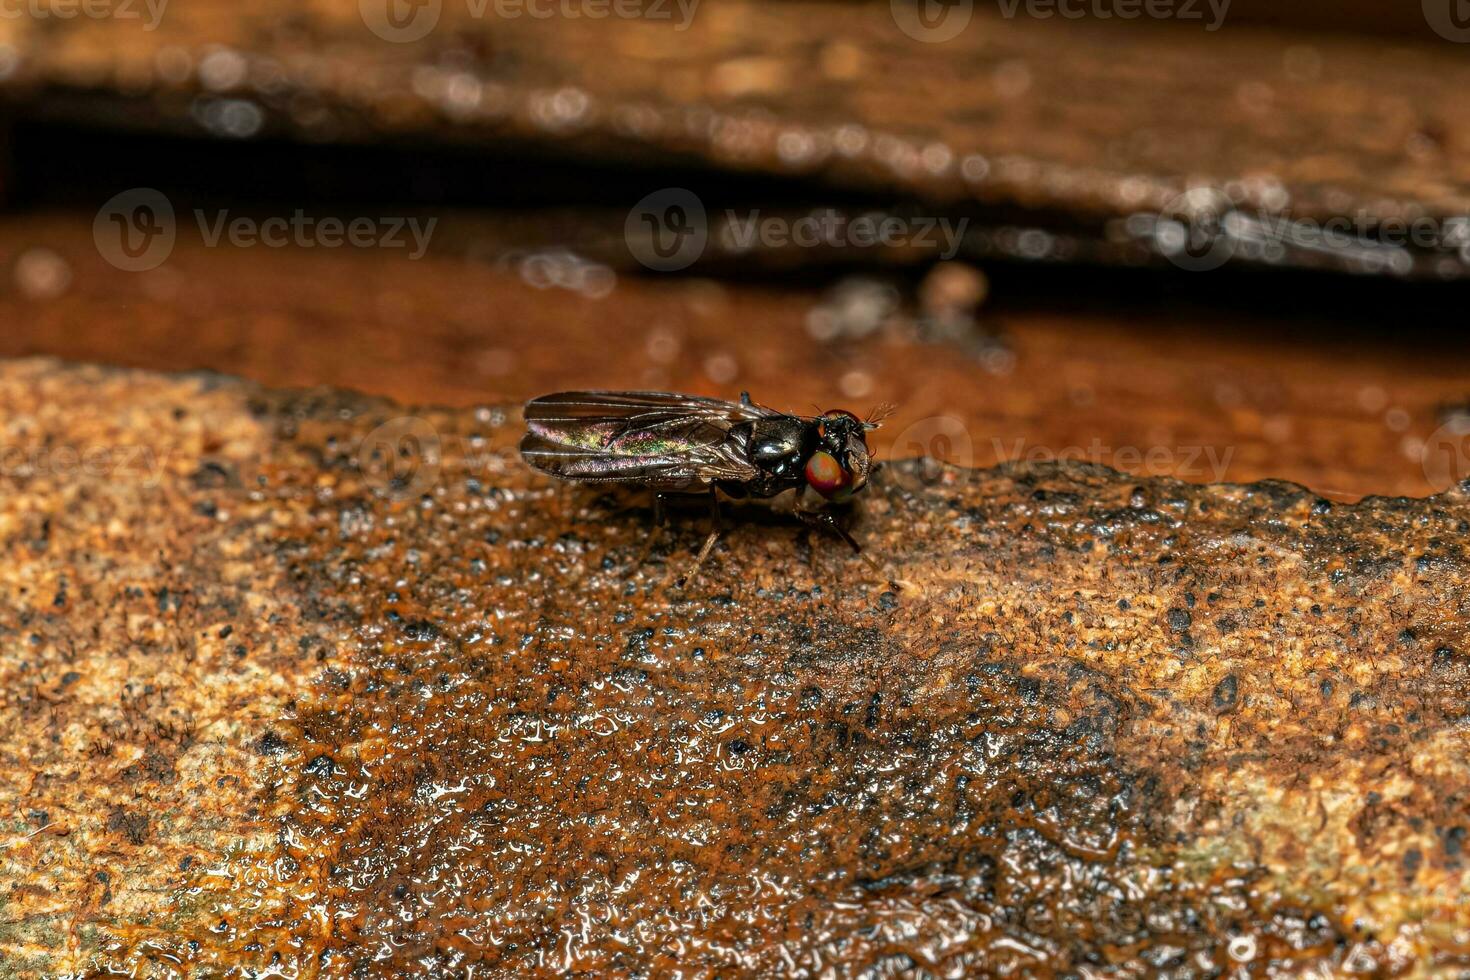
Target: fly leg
{"type": "Point", "coordinates": [709, 542]}
{"type": "Point", "coordinates": [825, 521]}
{"type": "Point", "coordinates": [660, 518]}
{"type": "Point", "coordinates": [820, 518]}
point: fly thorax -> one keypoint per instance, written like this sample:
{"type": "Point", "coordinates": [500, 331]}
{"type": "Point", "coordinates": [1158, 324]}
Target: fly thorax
{"type": "Point", "coordinates": [774, 442]}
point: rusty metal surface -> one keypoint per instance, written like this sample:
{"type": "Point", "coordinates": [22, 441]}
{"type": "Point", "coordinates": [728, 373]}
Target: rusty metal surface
{"type": "Point", "coordinates": [264, 706]}
{"type": "Point", "coordinates": [1086, 132]}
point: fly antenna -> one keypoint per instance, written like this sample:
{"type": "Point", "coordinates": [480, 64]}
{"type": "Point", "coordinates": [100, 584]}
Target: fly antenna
{"type": "Point", "coordinates": [877, 416]}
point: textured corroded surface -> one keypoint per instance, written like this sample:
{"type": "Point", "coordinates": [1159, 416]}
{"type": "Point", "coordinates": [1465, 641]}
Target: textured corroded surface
{"type": "Point", "coordinates": [256, 711]}
{"type": "Point", "coordinates": [1087, 120]}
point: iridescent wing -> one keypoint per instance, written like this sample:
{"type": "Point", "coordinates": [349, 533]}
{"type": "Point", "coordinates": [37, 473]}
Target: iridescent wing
{"type": "Point", "coordinates": [655, 439]}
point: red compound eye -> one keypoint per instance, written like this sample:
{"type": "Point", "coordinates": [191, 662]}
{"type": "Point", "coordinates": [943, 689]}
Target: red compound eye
{"type": "Point", "coordinates": [825, 475]}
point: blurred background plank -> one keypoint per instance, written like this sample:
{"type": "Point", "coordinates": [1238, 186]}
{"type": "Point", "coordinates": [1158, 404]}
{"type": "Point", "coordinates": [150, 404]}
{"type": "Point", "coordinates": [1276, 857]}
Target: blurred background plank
{"type": "Point", "coordinates": [1065, 147]}
{"type": "Point", "coordinates": [1166, 387]}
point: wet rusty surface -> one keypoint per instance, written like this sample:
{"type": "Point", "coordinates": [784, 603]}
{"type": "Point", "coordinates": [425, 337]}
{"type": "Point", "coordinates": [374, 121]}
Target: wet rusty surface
{"type": "Point", "coordinates": [281, 700]}
{"type": "Point", "coordinates": [1075, 139]}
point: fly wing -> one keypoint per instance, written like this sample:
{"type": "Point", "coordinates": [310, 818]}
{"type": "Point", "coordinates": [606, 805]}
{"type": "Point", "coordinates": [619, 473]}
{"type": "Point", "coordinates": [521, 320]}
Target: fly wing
{"type": "Point", "coordinates": [664, 441]}
{"type": "Point", "coordinates": [642, 408]}
{"type": "Point", "coordinates": [673, 473]}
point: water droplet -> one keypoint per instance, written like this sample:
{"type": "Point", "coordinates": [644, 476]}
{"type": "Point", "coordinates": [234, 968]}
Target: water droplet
{"type": "Point", "coordinates": [222, 69]}
{"type": "Point", "coordinates": [42, 274]}
{"type": "Point", "coordinates": [1012, 79]}
{"type": "Point", "coordinates": [721, 368]}
{"type": "Point", "coordinates": [662, 345]}
{"type": "Point", "coordinates": [856, 384]}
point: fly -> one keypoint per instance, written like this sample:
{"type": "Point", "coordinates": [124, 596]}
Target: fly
{"type": "Point", "coordinates": [685, 445]}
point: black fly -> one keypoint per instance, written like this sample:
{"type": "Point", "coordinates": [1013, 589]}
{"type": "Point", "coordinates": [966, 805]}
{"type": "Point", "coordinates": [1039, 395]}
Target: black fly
{"type": "Point", "coordinates": [682, 444]}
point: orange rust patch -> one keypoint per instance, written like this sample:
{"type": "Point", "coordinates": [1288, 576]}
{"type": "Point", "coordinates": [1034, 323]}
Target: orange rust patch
{"type": "Point", "coordinates": [1079, 720]}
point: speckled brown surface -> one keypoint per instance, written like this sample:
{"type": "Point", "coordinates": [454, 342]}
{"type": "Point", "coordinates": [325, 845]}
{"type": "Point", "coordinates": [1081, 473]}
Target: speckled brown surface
{"type": "Point", "coordinates": [260, 708]}
{"type": "Point", "coordinates": [1092, 121]}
